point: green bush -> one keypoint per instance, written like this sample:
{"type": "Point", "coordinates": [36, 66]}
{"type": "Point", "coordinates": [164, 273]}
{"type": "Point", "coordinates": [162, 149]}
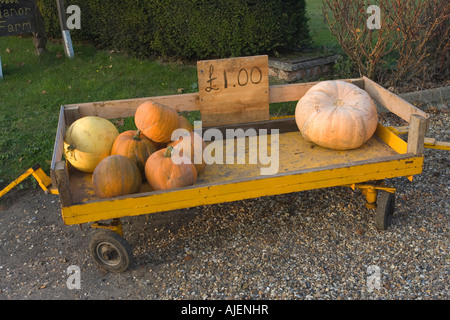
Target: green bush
{"type": "Point", "coordinates": [188, 29]}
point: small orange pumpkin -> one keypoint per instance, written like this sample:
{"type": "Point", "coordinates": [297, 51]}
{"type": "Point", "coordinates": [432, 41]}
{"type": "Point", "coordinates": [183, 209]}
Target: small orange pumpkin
{"type": "Point", "coordinates": [116, 175]}
{"type": "Point", "coordinates": [192, 145]}
{"type": "Point", "coordinates": [134, 145]}
{"type": "Point", "coordinates": [162, 173]}
{"type": "Point", "coordinates": [156, 121]}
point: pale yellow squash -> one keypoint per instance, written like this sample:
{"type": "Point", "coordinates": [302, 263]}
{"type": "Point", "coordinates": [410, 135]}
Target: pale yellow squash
{"type": "Point", "coordinates": [88, 141]}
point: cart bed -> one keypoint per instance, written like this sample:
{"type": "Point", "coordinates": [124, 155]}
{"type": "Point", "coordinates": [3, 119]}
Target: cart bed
{"type": "Point", "coordinates": [295, 154]}
{"type": "Point", "coordinates": [302, 165]}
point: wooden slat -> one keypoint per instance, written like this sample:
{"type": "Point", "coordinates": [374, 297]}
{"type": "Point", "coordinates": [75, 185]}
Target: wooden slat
{"type": "Point", "coordinates": [60, 179]}
{"type": "Point", "coordinates": [289, 92]}
{"type": "Point", "coordinates": [390, 101]}
{"type": "Point", "coordinates": [278, 93]}
{"type": "Point", "coordinates": [431, 143]}
{"type": "Point", "coordinates": [185, 102]}
{"type": "Point", "coordinates": [293, 92]}
{"type": "Point", "coordinates": [59, 140]}
{"type": "Point", "coordinates": [416, 134]}
{"type": "Point", "coordinates": [71, 114]}
{"type": "Point", "coordinates": [127, 107]}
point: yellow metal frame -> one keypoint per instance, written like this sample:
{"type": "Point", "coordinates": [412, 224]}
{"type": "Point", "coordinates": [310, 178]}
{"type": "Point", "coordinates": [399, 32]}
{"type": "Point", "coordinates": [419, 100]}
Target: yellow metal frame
{"type": "Point", "coordinates": [161, 201]}
{"type": "Point", "coordinates": [370, 192]}
{"type": "Point", "coordinates": [115, 225]}
{"type": "Point", "coordinates": [40, 176]}
{"type": "Point", "coordinates": [429, 143]}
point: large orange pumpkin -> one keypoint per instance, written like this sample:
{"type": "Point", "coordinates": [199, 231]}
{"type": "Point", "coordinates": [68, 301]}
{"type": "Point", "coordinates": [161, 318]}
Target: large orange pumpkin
{"type": "Point", "coordinates": [116, 175]}
{"type": "Point", "coordinates": [193, 146]}
{"type": "Point", "coordinates": [134, 145]}
{"type": "Point", "coordinates": [336, 115]}
{"type": "Point", "coordinates": [156, 121]}
{"type": "Point", "coordinates": [162, 173]}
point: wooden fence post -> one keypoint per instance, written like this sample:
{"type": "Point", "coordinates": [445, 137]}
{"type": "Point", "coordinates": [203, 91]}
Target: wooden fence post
{"type": "Point", "coordinates": [39, 37]}
{"type": "Point", "coordinates": [416, 134]}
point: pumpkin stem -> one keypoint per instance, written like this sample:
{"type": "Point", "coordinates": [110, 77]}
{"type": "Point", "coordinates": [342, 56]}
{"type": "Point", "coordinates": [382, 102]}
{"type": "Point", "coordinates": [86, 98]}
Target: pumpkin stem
{"type": "Point", "coordinates": [168, 152]}
{"type": "Point", "coordinates": [137, 136]}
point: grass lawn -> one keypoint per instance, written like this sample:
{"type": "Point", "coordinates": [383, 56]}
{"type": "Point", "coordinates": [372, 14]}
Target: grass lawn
{"type": "Point", "coordinates": [319, 30]}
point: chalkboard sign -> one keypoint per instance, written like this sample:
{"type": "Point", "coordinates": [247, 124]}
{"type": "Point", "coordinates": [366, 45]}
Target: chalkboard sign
{"type": "Point", "coordinates": [17, 17]}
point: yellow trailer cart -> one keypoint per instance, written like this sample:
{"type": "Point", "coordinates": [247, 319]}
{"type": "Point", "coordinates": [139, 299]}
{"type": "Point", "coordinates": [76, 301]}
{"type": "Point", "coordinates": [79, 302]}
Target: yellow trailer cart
{"type": "Point", "coordinates": [302, 165]}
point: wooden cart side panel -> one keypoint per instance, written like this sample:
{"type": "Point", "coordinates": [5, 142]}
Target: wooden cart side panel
{"type": "Point", "coordinates": [416, 134]}
{"type": "Point", "coordinates": [71, 114]}
{"type": "Point", "coordinates": [277, 93]}
{"type": "Point", "coordinates": [293, 92]}
{"type": "Point", "coordinates": [58, 167]}
{"type": "Point", "coordinates": [188, 101]}
{"type": "Point", "coordinates": [127, 107]}
{"type": "Point", "coordinates": [58, 147]}
{"type": "Point", "coordinates": [404, 165]}
{"type": "Point", "coordinates": [60, 179]}
{"type": "Point", "coordinates": [390, 101]}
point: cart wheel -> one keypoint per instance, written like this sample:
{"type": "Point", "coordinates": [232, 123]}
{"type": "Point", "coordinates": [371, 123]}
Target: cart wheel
{"type": "Point", "coordinates": [385, 209]}
{"type": "Point", "coordinates": [111, 251]}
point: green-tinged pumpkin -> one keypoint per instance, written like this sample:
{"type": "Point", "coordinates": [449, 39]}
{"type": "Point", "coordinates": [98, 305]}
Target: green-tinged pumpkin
{"type": "Point", "coordinates": [116, 175]}
{"type": "Point", "coordinates": [89, 140]}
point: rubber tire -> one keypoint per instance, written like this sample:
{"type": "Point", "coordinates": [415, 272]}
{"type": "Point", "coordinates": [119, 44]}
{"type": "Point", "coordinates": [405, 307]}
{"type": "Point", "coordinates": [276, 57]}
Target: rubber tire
{"type": "Point", "coordinates": [119, 251]}
{"type": "Point", "coordinates": [385, 209]}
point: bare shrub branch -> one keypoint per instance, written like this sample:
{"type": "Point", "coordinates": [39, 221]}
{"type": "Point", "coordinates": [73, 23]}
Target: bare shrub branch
{"type": "Point", "coordinates": [415, 34]}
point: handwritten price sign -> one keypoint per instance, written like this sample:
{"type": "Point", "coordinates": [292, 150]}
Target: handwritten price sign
{"type": "Point", "coordinates": [234, 90]}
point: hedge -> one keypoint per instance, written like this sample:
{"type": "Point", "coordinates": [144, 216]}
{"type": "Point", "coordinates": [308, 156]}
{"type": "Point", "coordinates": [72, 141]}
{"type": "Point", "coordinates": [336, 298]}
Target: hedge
{"type": "Point", "coordinates": [188, 29]}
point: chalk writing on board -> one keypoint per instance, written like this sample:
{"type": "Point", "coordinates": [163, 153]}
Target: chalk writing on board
{"type": "Point", "coordinates": [17, 17]}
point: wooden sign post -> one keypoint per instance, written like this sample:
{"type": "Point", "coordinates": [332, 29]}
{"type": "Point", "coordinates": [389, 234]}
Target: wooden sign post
{"type": "Point", "coordinates": [234, 90]}
{"type": "Point", "coordinates": [67, 41]}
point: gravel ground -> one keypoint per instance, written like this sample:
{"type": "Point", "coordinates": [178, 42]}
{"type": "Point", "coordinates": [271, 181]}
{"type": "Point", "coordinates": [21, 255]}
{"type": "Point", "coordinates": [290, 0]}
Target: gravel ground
{"type": "Point", "coordinates": [317, 244]}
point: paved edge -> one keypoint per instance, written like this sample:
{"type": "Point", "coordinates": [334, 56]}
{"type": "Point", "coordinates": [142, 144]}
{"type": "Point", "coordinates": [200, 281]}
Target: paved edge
{"type": "Point", "coordinates": [439, 97]}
